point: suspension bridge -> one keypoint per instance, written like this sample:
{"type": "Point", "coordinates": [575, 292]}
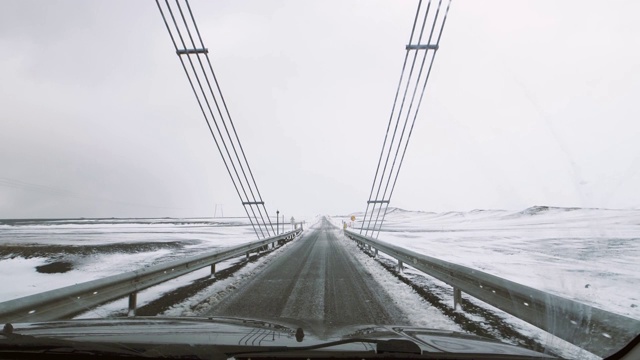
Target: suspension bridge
{"type": "Point", "coordinates": [316, 277]}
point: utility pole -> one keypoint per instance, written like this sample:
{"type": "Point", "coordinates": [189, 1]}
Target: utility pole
{"type": "Point", "coordinates": [277, 222]}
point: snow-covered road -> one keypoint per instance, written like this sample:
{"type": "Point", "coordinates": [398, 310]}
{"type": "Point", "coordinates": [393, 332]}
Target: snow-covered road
{"type": "Point", "coordinates": [319, 282]}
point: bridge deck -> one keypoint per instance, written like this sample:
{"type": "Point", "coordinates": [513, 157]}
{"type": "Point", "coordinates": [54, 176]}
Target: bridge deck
{"type": "Point", "coordinates": [316, 281]}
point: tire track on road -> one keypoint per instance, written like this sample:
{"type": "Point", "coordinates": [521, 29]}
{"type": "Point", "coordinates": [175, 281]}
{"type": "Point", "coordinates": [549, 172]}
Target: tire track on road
{"type": "Point", "coordinates": [316, 282]}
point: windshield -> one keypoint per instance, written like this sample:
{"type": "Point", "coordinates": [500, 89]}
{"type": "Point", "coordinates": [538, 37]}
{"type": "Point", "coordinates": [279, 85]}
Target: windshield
{"type": "Point", "coordinates": [328, 171]}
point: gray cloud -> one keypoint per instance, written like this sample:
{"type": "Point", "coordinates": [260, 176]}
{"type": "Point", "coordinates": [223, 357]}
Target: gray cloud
{"type": "Point", "coordinates": [530, 102]}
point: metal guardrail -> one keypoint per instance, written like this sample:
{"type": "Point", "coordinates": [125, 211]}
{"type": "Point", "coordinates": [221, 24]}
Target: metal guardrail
{"type": "Point", "coordinates": [74, 299]}
{"type": "Point", "coordinates": [595, 330]}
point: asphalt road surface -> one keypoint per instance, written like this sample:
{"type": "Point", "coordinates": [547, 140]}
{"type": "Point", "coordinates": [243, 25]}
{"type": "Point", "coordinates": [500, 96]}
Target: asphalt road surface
{"type": "Point", "coordinates": [315, 282]}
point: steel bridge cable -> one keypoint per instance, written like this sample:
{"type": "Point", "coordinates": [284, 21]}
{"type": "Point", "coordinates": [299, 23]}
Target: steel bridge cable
{"type": "Point", "coordinates": [211, 112]}
{"type": "Point", "coordinates": [224, 123]}
{"type": "Point", "coordinates": [424, 86]}
{"type": "Point", "coordinates": [244, 157]}
{"type": "Point", "coordinates": [417, 82]}
{"type": "Point", "coordinates": [204, 113]}
{"type": "Point", "coordinates": [384, 148]}
{"type": "Point", "coordinates": [388, 152]}
{"type": "Point", "coordinates": [406, 57]}
{"type": "Point", "coordinates": [385, 202]}
{"type": "Point", "coordinates": [378, 225]}
{"type": "Point", "coordinates": [393, 137]}
{"type": "Point", "coordinates": [231, 159]}
{"type": "Point", "coordinates": [406, 121]}
{"type": "Point", "coordinates": [224, 103]}
{"type": "Point", "coordinates": [233, 165]}
{"type": "Point", "coordinates": [259, 198]}
{"type": "Point", "coordinates": [375, 179]}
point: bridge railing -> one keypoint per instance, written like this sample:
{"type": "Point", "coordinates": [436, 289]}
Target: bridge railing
{"type": "Point", "coordinates": [74, 299]}
{"type": "Point", "coordinates": [595, 330]}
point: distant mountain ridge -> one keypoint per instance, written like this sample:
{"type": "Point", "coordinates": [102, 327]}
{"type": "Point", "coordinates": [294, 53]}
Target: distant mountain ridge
{"type": "Point", "coordinates": [530, 211]}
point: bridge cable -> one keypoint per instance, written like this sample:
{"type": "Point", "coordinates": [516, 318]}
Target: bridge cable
{"type": "Point", "coordinates": [224, 103]}
{"type": "Point", "coordinates": [377, 223]}
{"type": "Point", "coordinates": [406, 121]}
{"type": "Point", "coordinates": [224, 123]}
{"type": "Point", "coordinates": [404, 65]}
{"type": "Point", "coordinates": [259, 225]}
{"type": "Point", "coordinates": [208, 105]}
{"type": "Point", "coordinates": [233, 164]}
{"type": "Point", "coordinates": [203, 112]}
{"type": "Point", "coordinates": [424, 86]}
{"type": "Point", "coordinates": [397, 122]}
{"type": "Point", "coordinates": [401, 141]}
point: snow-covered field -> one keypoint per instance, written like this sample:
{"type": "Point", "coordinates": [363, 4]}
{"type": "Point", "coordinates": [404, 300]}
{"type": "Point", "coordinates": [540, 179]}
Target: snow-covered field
{"type": "Point", "coordinates": [589, 255]}
{"type": "Point", "coordinates": [87, 249]}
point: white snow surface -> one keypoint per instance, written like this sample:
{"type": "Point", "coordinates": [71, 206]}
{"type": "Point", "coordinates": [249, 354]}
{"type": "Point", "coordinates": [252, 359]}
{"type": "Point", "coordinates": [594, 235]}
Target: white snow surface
{"type": "Point", "coordinates": [588, 255]}
{"type": "Point", "coordinates": [111, 246]}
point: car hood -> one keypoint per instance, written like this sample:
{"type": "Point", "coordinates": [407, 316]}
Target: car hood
{"type": "Point", "coordinates": [235, 335]}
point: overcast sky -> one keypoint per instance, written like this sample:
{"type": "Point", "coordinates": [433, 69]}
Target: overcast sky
{"type": "Point", "coordinates": [529, 103]}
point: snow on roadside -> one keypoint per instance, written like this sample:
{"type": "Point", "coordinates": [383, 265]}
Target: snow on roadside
{"type": "Point", "coordinates": [551, 343]}
{"type": "Point", "coordinates": [418, 311]}
{"type": "Point", "coordinates": [20, 278]}
{"type": "Point", "coordinates": [102, 247]}
{"type": "Point", "coordinates": [423, 314]}
{"type": "Point", "coordinates": [588, 255]}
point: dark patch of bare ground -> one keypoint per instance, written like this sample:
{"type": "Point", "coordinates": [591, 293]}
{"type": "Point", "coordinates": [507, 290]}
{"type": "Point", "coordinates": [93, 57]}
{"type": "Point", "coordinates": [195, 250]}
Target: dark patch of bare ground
{"type": "Point", "coordinates": [492, 326]}
{"type": "Point", "coordinates": [56, 267]}
{"type": "Point", "coordinates": [169, 299]}
{"type": "Point", "coordinates": [58, 256]}
{"type": "Point", "coordinates": [39, 250]}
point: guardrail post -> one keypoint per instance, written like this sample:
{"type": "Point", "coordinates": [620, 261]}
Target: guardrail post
{"type": "Point", "coordinates": [400, 267]}
{"type": "Point", "coordinates": [457, 298]}
{"type": "Point", "coordinates": [213, 270]}
{"type": "Point", "coordinates": [376, 255]}
{"type": "Point", "coordinates": [248, 255]}
{"type": "Point", "coordinates": [133, 299]}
